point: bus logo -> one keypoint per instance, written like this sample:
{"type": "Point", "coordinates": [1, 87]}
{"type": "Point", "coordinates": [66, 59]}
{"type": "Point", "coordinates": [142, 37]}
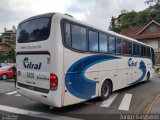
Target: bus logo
{"type": "Point", "coordinates": [131, 63]}
{"type": "Point", "coordinates": [30, 65]}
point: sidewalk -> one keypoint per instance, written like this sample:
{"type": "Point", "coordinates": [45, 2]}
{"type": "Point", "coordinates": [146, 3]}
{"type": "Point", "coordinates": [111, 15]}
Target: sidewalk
{"type": "Point", "coordinates": [6, 87]}
{"type": "Point", "coordinates": [155, 103]}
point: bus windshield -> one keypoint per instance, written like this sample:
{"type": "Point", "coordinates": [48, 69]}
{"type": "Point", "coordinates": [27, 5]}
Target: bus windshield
{"type": "Point", "coordinates": [34, 30]}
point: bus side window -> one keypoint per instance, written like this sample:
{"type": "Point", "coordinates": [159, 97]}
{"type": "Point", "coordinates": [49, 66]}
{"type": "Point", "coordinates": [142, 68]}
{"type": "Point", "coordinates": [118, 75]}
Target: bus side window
{"type": "Point", "coordinates": [126, 47]}
{"type": "Point", "coordinates": [103, 43]}
{"type": "Point", "coordinates": [148, 52]}
{"type": "Point", "coordinates": [93, 41]}
{"type": "Point", "coordinates": [112, 44]}
{"type": "Point", "coordinates": [143, 51]}
{"type": "Point", "coordinates": [118, 46]}
{"type": "Point", "coordinates": [153, 57]}
{"type": "Point", "coordinates": [136, 49]}
{"type": "Point", "coordinates": [79, 40]}
{"type": "Point", "coordinates": [68, 34]}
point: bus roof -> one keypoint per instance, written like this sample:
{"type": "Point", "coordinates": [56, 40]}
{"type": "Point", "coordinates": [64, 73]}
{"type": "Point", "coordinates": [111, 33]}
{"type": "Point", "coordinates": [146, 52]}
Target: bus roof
{"type": "Point", "coordinates": [70, 17]}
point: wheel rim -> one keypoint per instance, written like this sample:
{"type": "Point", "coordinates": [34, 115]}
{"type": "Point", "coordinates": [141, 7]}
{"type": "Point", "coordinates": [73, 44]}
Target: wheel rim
{"type": "Point", "coordinates": [105, 90]}
{"type": "Point", "coordinates": [4, 77]}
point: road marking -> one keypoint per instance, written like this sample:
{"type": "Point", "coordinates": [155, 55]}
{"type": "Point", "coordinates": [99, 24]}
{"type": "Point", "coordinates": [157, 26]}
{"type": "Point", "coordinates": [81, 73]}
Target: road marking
{"type": "Point", "coordinates": [10, 93]}
{"type": "Point", "coordinates": [17, 110]}
{"type": "Point", "coordinates": [109, 101]}
{"type": "Point", "coordinates": [125, 103]}
{"type": "Point", "coordinates": [151, 104]}
{"type": "Point", "coordinates": [35, 114]}
{"type": "Point", "coordinates": [18, 95]}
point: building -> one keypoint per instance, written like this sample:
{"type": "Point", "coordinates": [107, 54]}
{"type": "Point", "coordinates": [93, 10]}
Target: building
{"type": "Point", "coordinates": [149, 34]}
{"type": "Point", "coordinates": [118, 19]}
{"type": "Point", "coordinates": [4, 48]}
{"type": "Point", "coordinates": [8, 35]}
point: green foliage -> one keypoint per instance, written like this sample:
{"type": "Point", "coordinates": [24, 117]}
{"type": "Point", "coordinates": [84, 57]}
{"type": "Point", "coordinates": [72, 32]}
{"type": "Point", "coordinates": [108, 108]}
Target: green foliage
{"type": "Point", "coordinates": [152, 2]}
{"type": "Point", "coordinates": [11, 55]}
{"type": "Point", "coordinates": [157, 69]}
{"type": "Point", "coordinates": [3, 57]}
{"type": "Point", "coordinates": [133, 18]}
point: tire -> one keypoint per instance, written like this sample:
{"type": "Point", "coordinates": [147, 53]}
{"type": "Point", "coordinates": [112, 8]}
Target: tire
{"type": "Point", "coordinates": [4, 77]}
{"type": "Point", "coordinates": [148, 77]}
{"type": "Point", "coordinates": [106, 90]}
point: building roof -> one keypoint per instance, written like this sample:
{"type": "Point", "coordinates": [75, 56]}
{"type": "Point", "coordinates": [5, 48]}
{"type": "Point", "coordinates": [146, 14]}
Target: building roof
{"type": "Point", "coordinates": [153, 21]}
{"type": "Point", "coordinates": [4, 47]}
{"type": "Point", "coordinates": [131, 31]}
{"type": "Point", "coordinates": [136, 32]}
{"type": "Point", "coordinates": [147, 36]}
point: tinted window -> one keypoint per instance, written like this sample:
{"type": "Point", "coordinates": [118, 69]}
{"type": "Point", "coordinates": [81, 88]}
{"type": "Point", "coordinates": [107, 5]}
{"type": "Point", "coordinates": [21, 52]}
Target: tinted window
{"type": "Point", "coordinates": [118, 45]}
{"type": "Point", "coordinates": [34, 30]}
{"type": "Point", "coordinates": [103, 45]}
{"type": "Point", "coordinates": [112, 44]}
{"type": "Point", "coordinates": [68, 34]}
{"type": "Point", "coordinates": [153, 57]}
{"type": "Point", "coordinates": [136, 49]}
{"type": "Point", "coordinates": [148, 52]}
{"type": "Point", "coordinates": [126, 47]}
{"type": "Point", "coordinates": [143, 50]}
{"type": "Point", "coordinates": [79, 37]}
{"type": "Point", "coordinates": [93, 41]}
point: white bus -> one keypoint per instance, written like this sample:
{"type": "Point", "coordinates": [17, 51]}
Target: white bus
{"type": "Point", "coordinates": [61, 61]}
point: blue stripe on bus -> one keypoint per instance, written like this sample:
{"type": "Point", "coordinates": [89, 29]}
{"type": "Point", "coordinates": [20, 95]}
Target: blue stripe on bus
{"type": "Point", "coordinates": [142, 67]}
{"type": "Point", "coordinates": [80, 86]}
{"type": "Point", "coordinates": [76, 82]}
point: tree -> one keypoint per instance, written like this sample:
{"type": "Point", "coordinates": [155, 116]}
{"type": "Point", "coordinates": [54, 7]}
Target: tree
{"type": "Point", "coordinates": [141, 18]}
{"type": "Point", "coordinates": [113, 26]}
{"type": "Point", "coordinates": [11, 54]}
{"type": "Point", "coordinates": [128, 19]}
{"type": "Point", "coordinates": [152, 2]}
{"type": "Point", "coordinates": [3, 58]}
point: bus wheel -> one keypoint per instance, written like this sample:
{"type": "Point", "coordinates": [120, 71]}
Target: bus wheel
{"type": "Point", "coordinates": [106, 90]}
{"type": "Point", "coordinates": [148, 77]}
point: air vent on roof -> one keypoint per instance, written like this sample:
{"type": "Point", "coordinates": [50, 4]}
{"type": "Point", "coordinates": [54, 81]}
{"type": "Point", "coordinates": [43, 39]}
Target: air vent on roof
{"type": "Point", "coordinates": [69, 15]}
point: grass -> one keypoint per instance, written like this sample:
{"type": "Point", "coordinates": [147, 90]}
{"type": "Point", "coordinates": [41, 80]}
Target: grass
{"type": "Point", "coordinates": [10, 80]}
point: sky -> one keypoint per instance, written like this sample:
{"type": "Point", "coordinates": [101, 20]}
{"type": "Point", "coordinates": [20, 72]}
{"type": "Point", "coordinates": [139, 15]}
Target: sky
{"type": "Point", "coordinates": [95, 12]}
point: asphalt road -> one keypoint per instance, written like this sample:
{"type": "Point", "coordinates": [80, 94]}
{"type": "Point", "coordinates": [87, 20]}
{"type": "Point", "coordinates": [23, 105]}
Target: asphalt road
{"type": "Point", "coordinates": [130, 100]}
